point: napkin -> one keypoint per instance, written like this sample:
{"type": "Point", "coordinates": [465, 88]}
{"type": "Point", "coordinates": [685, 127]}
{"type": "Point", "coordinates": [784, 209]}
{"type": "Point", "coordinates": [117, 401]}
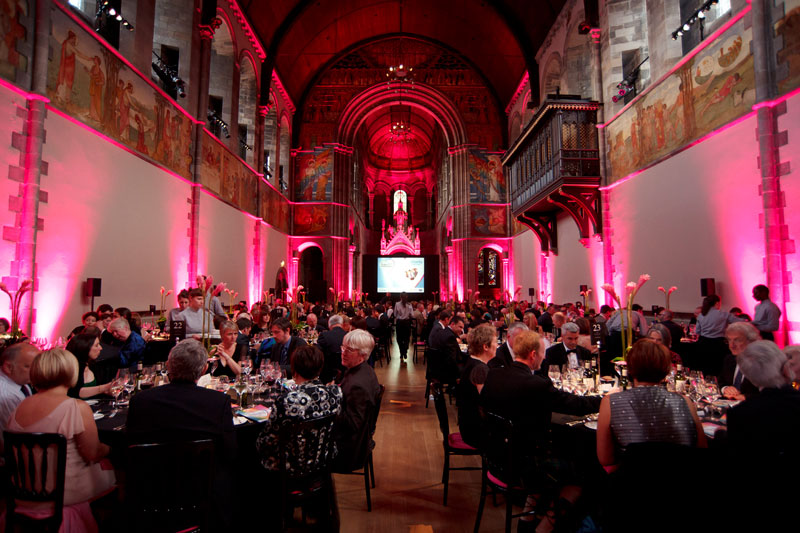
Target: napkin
{"type": "Point", "coordinates": [711, 429]}
{"type": "Point", "coordinates": [259, 413]}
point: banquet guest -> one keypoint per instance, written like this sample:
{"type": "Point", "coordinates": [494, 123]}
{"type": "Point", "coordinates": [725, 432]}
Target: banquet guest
{"type": "Point", "coordinates": [312, 323]}
{"type": "Point", "coordinates": [183, 302]}
{"type": "Point", "coordinates": [311, 399]}
{"type": "Point", "coordinates": [403, 322]}
{"type": "Point", "coordinates": [15, 378]}
{"type": "Point", "coordinates": [212, 303]}
{"type": "Point", "coordinates": [193, 314]}
{"type": "Point", "coordinates": [182, 411]}
{"type": "Point", "coordinates": [559, 319]}
{"type": "Point", "coordinates": [529, 319]}
{"type": "Point", "coordinates": [133, 345]}
{"type": "Point", "coordinates": [618, 321]}
{"type": "Point", "coordinates": [620, 423]}
{"type": "Point", "coordinates": [86, 348]}
{"type": "Point", "coordinates": [566, 352]}
{"type": "Point", "coordinates": [711, 324]}
{"type": "Point", "coordinates": [793, 366]}
{"type": "Point", "coordinates": [504, 355]}
{"type": "Point", "coordinates": [763, 432]}
{"type": "Point", "coordinates": [50, 410]}
{"type": "Point", "coordinates": [106, 338]}
{"type": "Point", "coordinates": [585, 334]}
{"type": "Point", "coordinates": [330, 342]}
{"type": "Point", "coordinates": [444, 354]}
{"type": "Point", "coordinates": [261, 320]}
{"type": "Point", "coordinates": [528, 401]}
{"type": "Point", "coordinates": [88, 319]}
{"type": "Point", "coordinates": [4, 325]}
{"type": "Point", "coordinates": [346, 324]}
{"type": "Point", "coordinates": [482, 345]}
{"type": "Point", "coordinates": [285, 345]}
{"type": "Point", "coordinates": [440, 322]}
{"type": "Point", "coordinates": [767, 314]}
{"type": "Point", "coordinates": [360, 391]}
{"type": "Point", "coordinates": [546, 318]}
{"type": "Point", "coordinates": [643, 327]}
{"type": "Point", "coordinates": [419, 320]}
{"type": "Point", "coordinates": [104, 308]}
{"type": "Point", "coordinates": [660, 334]}
{"type": "Point", "coordinates": [229, 351]}
{"type": "Point", "coordinates": [732, 381]}
{"type": "Point", "coordinates": [127, 314]}
{"type": "Point", "coordinates": [675, 330]}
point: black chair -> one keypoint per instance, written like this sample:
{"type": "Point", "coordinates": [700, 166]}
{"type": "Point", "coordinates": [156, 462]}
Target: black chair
{"type": "Point", "coordinates": [169, 485]}
{"type": "Point", "coordinates": [452, 442]}
{"type": "Point", "coordinates": [367, 444]}
{"type": "Point", "coordinates": [503, 467]}
{"type": "Point", "coordinates": [28, 464]}
{"type": "Point", "coordinates": [305, 452]}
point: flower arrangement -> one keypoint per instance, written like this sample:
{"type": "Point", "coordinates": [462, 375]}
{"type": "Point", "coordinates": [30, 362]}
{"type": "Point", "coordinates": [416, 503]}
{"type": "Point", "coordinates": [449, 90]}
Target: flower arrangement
{"type": "Point", "coordinates": [585, 294]}
{"type": "Point", "coordinates": [631, 288]}
{"type": "Point", "coordinates": [667, 292]}
{"type": "Point", "coordinates": [162, 318]}
{"type": "Point", "coordinates": [231, 297]}
{"type": "Point", "coordinates": [16, 300]}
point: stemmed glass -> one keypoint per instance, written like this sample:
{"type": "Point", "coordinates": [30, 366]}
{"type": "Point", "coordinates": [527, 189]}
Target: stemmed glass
{"type": "Point", "coordinates": [554, 373]}
{"type": "Point", "coordinates": [247, 366]}
{"type": "Point", "coordinates": [117, 384]}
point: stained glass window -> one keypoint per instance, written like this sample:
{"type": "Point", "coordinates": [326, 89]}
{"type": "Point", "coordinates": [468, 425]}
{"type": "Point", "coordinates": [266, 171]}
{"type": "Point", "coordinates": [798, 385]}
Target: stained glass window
{"type": "Point", "coordinates": [487, 269]}
{"type": "Point", "coordinates": [481, 276]}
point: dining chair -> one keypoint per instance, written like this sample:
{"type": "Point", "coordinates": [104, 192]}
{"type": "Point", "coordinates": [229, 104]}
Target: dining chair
{"type": "Point", "coordinates": [452, 442]}
{"type": "Point", "coordinates": [168, 486]}
{"type": "Point", "coordinates": [36, 464]}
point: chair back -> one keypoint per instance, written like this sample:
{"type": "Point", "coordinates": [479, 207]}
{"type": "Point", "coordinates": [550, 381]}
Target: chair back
{"type": "Point", "coordinates": [440, 404]}
{"type": "Point", "coordinates": [169, 485]}
{"type": "Point", "coordinates": [36, 464]}
{"type": "Point", "coordinates": [499, 450]}
{"type": "Point", "coordinates": [365, 439]}
{"type": "Point", "coordinates": [306, 448]}
{"type": "Point", "coordinates": [373, 421]}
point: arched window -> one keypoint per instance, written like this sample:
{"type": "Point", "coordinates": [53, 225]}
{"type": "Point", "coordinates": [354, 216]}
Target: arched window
{"type": "Point", "coordinates": [488, 269]}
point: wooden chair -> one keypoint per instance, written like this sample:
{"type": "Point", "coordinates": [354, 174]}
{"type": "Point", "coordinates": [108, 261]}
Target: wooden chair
{"type": "Point", "coordinates": [168, 485]}
{"type": "Point", "coordinates": [452, 442]}
{"type": "Point", "coordinates": [31, 471]}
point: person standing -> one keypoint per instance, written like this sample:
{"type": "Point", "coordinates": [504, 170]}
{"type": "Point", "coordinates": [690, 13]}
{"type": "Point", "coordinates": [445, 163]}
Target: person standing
{"type": "Point", "coordinates": [768, 315]}
{"type": "Point", "coordinates": [402, 317]}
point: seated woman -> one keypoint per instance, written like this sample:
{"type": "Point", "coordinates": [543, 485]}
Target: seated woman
{"type": "Point", "coordinates": [732, 382]}
{"type": "Point", "coordinates": [86, 348]}
{"type": "Point", "coordinates": [660, 334]}
{"type": "Point", "coordinates": [50, 410]}
{"type": "Point", "coordinates": [620, 423]}
{"type": "Point", "coordinates": [585, 334]}
{"type": "Point", "coordinates": [482, 345]}
{"type": "Point", "coordinates": [311, 399]}
{"type": "Point", "coordinates": [228, 351]}
{"type": "Point", "coordinates": [4, 325]}
{"type": "Point", "coordinates": [87, 320]}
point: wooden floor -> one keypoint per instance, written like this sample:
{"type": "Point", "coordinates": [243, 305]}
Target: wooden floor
{"type": "Point", "coordinates": [408, 461]}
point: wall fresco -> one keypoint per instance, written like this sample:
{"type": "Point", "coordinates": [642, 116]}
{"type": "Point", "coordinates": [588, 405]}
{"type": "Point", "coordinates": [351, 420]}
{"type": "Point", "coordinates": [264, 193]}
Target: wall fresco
{"type": "Point", "coordinates": [488, 220]}
{"type": "Point", "coordinates": [90, 83]}
{"type": "Point", "coordinates": [314, 176]}
{"type": "Point", "coordinates": [311, 219]}
{"type": "Point", "coordinates": [486, 180]}
{"type": "Point", "coordinates": [788, 28]}
{"type": "Point", "coordinates": [12, 62]}
{"type": "Point", "coordinates": [274, 208]}
{"type": "Point", "coordinates": [708, 91]}
{"type": "Point", "coordinates": [225, 175]}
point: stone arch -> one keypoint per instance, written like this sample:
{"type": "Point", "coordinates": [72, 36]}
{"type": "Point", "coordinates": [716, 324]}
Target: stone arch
{"type": "Point", "coordinates": [514, 127]}
{"type": "Point", "coordinates": [551, 74]}
{"type": "Point", "coordinates": [220, 88]}
{"type": "Point", "coordinates": [248, 102]}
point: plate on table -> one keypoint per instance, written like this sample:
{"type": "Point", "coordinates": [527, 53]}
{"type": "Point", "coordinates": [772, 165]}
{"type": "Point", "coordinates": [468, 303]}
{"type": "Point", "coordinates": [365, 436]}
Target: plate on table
{"type": "Point", "coordinates": [591, 424]}
{"type": "Point", "coordinates": [98, 415]}
{"type": "Point", "coordinates": [91, 402]}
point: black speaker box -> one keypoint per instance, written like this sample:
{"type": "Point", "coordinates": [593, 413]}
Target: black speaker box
{"type": "Point", "coordinates": [93, 286]}
{"type": "Point", "coordinates": [708, 287]}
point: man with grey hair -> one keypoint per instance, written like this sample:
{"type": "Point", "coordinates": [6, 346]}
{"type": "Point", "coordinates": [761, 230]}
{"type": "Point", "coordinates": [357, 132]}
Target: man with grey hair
{"type": "Point", "coordinates": [330, 342]}
{"type": "Point", "coordinates": [675, 330]}
{"type": "Point", "coordinates": [566, 352]}
{"type": "Point", "coordinates": [182, 411]}
{"type": "Point", "coordinates": [133, 346]}
{"type": "Point", "coordinates": [360, 391]}
{"type": "Point", "coordinates": [15, 379]}
{"type": "Point", "coordinates": [763, 432]}
{"type": "Point", "coordinates": [505, 353]}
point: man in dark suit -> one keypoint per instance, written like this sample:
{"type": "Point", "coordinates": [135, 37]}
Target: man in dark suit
{"type": "Point", "coordinates": [675, 330]}
{"type": "Point", "coordinates": [566, 352]}
{"type": "Point", "coordinates": [181, 411]}
{"type": "Point", "coordinates": [285, 345]}
{"type": "Point", "coordinates": [360, 391]}
{"type": "Point", "coordinates": [505, 353]}
{"type": "Point", "coordinates": [546, 319]}
{"type": "Point", "coordinates": [444, 354]}
{"type": "Point", "coordinates": [440, 322]}
{"type": "Point", "coordinates": [330, 342]}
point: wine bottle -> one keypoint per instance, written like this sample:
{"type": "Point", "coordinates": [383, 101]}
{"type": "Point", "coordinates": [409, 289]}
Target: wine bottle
{"type": "Point", "coordinates": [137, 383]}
{"type": "Point", "coordinates": [588, 378]}
{"type": "Point", "coordinates": [623, 381]}
{"type": "Point", "coordinates": [157, 375]}
{"type": "Point", "coordinates": [595, 375]}
{"type": "Point", "coordinates": [680, 379]}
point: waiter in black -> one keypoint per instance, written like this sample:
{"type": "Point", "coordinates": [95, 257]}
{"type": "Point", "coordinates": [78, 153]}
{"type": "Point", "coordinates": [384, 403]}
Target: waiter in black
{"type": "Point", "coordinates": [402, 317]}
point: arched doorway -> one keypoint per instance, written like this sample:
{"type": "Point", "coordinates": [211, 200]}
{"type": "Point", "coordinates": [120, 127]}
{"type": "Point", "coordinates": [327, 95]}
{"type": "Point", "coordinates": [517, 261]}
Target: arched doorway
{"type": "Point", "coordinates": [312, 274]}
{"type": "Point", "coordinates": [489, 274]}
{"type": "Point", "coordinates": [281, 283]}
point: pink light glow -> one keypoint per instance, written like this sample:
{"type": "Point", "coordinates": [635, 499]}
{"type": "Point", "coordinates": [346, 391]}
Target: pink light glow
{"type": "Point", "coordinates": [247, 28]}
{"type": "Point", "coordinates": [523, 83]}
{"type": "Point", "coordinates": [773, 103]}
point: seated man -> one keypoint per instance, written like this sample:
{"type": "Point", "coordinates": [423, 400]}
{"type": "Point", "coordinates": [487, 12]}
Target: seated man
{"type": "Point", "coordinates": [330, 342]}
{"type": "Point", "coordinates": [360, 391]}
{"type": "Point", "coordinates": [444, 355]}
{"type": "Point", "coordinates": [193, 314]}
{"type": "Point", "coordinates": [528, 400]}
{"type": "Point", "coordinates": [566, 352]}
{"type": "Point", "coordinates": [133, 345]}
{"type": "Point", "coordinates": [15, 379]}
{"type": "Point", "coordinates": [284, 346]}
{"type": "Point", "coordinates": [181, 411]}
{"type": "Point", "coordinates": [505, 353]}
{"type": "Point", "coordinates": [312, 323]}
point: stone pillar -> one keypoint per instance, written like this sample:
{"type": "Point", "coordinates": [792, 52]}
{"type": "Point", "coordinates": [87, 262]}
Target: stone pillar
{"type": "Point", "coordinates": [142, 53]}
{"type": "Point", "coordinates": [258, 138]}
{"type": "Point", "coordinates": [233, 142]}
{"type": "Point", "coordinates": [371, 213]}
{"type": "Point", "coordinates": [430, 211]}
{"type": "Point", "coordinates": [778, 277]}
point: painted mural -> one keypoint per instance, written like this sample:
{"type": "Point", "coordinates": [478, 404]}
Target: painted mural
{"type": "Point", "coordinates": [311, 219]}
{"type": "Point", "coordinates": [708, 91]}
{"type": "Point", "coordinates": [274, 208]}
{"type": "Point", "coordinates": [788, 28]}
{"type": "Point", "coordinates": [225, 175]}
{"type": "Point", "coordinates": [90, 83]}
{"type": "Point", "coordinates": [489, 220]}
{"type": "Point", "coordinates": [314, 176]}
{"type": "Point", "coordinates": [13, 32]}
{"type": "Point", "coordinates": [487, 184]}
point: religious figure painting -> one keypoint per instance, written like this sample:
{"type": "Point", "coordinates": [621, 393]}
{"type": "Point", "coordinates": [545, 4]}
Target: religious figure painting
{"type": "Point", "coordinates": [487, 183]}
{"type": "Point", "coordinates": [489, 220]}
{"type": "Point", "coordinates": [88, 81]}
{"type": "Point", "coordinates": [711, 89]}
{"type": "Point", "coordinates": [311, 219]}
{"type": "Point", "coordinates": [314, 178]}
{"type": "Point", "coordinates": [274, 208]}
{"type": "Point", "coordinates": [11, 33]}
{"type": "Point", "coordinates": [788, 28]}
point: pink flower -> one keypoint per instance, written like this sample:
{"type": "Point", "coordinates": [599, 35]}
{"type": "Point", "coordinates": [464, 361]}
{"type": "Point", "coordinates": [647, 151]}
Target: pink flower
{"type": "Point", "coordinates": [300, 288]}
{"type": "Point", "coordinates": [644, 278]}
{"type": "Point", "coordinates": [169, 292]}
{"type": "Point", "coordinates": [332, 289]}
{"type": "Point", "coordinates": [162, 289]}
{"type": "Point", "coordinates": [662, 289]}
{"type": "Point", "coordinates": [673, 289]}
{"type": "Point", "coordinates": [610, 290]}
{"type": "Point", "coordinates": [209, 283]}
{"type": "Point", "coordinates": [218, 289]}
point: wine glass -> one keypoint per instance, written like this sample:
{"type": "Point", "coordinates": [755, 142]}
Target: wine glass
{"type": "Point", "coordinates": [116, 389]}
{"type": "Point", "coordinates": [247, 366]}
{"type": "Point", "coordinates": [554, 373]}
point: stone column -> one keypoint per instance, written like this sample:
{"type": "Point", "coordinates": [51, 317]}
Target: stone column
{"type": "Point", "coordinates": [233, 142]}
{"type": "Point", "coordinates": [371, 213]}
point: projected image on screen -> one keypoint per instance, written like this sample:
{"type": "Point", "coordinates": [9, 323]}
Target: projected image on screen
{"type": "Point", "coordinates": [401, 274]}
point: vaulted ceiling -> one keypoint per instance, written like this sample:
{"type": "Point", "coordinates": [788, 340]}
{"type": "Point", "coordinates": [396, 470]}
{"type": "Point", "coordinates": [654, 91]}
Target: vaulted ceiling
{"type": "Point", "coordinates": [499, 37]}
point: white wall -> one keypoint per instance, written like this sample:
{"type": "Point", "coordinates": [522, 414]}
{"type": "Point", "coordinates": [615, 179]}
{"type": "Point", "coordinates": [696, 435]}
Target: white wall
{"type": "Point", "coordinates": [526, 255]}
{"type": "Point", "coordinates": [274, 249]}
{"type": "Point", "coordinates": [790, 184]}
{"type": "Point", "coordinates": [572, 267]}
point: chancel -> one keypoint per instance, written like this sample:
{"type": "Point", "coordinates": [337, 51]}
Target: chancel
{"type": "Point", "coordinates": [357, 205]}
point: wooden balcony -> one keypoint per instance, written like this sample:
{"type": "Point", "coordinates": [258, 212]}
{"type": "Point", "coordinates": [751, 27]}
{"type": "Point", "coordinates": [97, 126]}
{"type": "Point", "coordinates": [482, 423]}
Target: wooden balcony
{"type": "Point", "coordinates": [554, 165]}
